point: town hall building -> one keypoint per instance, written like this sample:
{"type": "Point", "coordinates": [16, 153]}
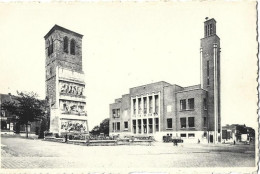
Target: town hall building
{"type": "Point", "coordinates": [159, 109]}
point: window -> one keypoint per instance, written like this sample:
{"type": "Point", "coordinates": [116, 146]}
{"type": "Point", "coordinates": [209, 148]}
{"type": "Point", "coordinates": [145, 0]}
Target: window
{"type": "Point", "coordinates": [191, 122]}
{"type": "Point", "coordinates": [118, 126]}
{"type": "Point", "coordinates": [114, 113]}
{"type": "Point", "coordinates": [139, 126]}
{"type": "Point", "coordinates": [191, 103]}
{"type": "Point", "coordinates": [150, 104]}
{"type": "Point", "coordinates": [126, 124]}
{"type": "Point", "coordinates": [118, 113]}
{"type": "Point", "coordinates": [191, 135]}
{"type": "Point", "coordinates": [3, 113]}
{"type": "Point", "coordinates": [65, 44]}
{"type": "Point", "coordinates": [72, 47]}
{"type": "Point", "coordinates": [183, 122]}
{"type": "Point", "coordinates": [145, 125]}
{"type": "Point", "coordinates": [134, 106]}
{"type": "Point", "coordinates": [183, 135]}
{"type": "Point", "coordinates": [208, 72]}
{"type": "Point", "coordinates": [50, 46]}
{"type": "Point", "coordinates": [150, 125]}
{"type": "Point", "coordinates": [183, 105]}
{"type": "Point", "coordinates": [134, 126]}
{"type": "Point", "coordinates": [113, 126]}
{"type": "Point", "coordinates": [211, 29]}
{"type": "Point", "coordinates": [204, 121]}
{"type": "Point", "coordinates": [157, 124]}
{"type": "Point", "coordinates": [145, 105]}
{"type": "Point", "coordinates": [50, 71]}
{"type": "Point", "coordinates": [156, 98]}
{"type": "Point", "coordinates": [139, 106]}
{"type": "Point", "coordinates": [205, 104]}
{"type": "Point", "coordinates": [169, 123]}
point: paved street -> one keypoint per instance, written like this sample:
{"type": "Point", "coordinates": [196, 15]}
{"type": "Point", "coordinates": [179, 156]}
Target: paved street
{"type": "Point", "coordinates": [28, 153]}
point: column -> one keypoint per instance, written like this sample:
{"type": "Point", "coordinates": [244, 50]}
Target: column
{"type": "Point", "coordinates": [159, 103]}
{"type": "Point", "coordinates": [215, 96]}
{"type": "Point", "coordinates": [142, 129]}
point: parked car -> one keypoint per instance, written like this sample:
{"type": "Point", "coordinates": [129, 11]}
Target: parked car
{"type": "Point", "coordinates": [178, 139]}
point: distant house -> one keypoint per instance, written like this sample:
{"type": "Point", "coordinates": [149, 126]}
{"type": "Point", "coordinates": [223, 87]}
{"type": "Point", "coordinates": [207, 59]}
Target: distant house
{"type": "Point", "coordinates": [237, 132]}
{"type": "Point", "coordinates": [9, 123]}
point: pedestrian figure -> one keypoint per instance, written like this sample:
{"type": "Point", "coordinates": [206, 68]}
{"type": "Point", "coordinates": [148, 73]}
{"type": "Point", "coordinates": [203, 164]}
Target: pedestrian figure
{"type": "Point", "coordinates": [66, 138]}
{"type": "Point", "coordinates": [198, 141]}
{"type": "Point", "coordinates": [234, 142]}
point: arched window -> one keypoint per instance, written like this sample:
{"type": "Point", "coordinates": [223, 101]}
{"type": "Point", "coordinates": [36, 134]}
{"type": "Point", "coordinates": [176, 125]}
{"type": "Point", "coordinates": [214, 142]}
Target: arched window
{"type": "Point", "coordinates": [72, 47]}
{"type": "Point", "coordinates": [65, 44]}
{"type": "Point", "coordinates": [50, 48]}
{"type": "Point", "coordinates": [48, 45]}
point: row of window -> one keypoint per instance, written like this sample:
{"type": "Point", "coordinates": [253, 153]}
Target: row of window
{"type": "Point", "coordinates": [66, 47]}
{"type": "Point", "coordinates": [137, 126]}
{"type": "Point", "coordinates": [190, 104]}
{"type": "Point", "coordinates": [191, 122]}
{"type": "Point", "coordinates": [116, 113]}
{"type": "Point", "coordinates": [146, 101]}
{"type": "Point", "coordinates": [209, 30]}
{"type": "Point", "coordinates": [116, 126]}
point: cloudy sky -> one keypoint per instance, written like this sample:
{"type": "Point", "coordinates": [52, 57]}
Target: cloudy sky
{"type": "Point", "coordinates": [131, 44]}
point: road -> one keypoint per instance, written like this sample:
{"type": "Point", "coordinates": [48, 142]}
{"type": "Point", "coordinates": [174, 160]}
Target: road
{"type": "Point", "coordinates": [28, 154]}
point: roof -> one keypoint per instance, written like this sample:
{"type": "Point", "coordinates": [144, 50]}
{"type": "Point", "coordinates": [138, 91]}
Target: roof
{"type": "Point", "coordinates": [57, 27]}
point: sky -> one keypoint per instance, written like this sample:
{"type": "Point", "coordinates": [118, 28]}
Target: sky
{"type": "Point", "coordinates": [128, 44]}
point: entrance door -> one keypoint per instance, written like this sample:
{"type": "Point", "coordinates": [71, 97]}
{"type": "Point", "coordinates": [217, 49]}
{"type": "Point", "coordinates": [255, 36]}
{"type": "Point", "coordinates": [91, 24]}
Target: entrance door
{"type": "Point", "coordinates": [211, 138]}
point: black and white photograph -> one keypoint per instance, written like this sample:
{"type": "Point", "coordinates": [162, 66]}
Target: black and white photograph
{"type": "Point", "coordinates": [129, 87]}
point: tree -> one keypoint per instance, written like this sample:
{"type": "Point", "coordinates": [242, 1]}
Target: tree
{"type": "Point", "coordinates": [26, 107]}
{"type": "Point", "coordinates": [102, 128]}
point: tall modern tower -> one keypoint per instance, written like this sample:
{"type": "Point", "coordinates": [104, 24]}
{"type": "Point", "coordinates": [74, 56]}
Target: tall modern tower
{"type": "Point", "coordinates": [65, 84]}
{"type": "Point", "coordinates": [210, 77]}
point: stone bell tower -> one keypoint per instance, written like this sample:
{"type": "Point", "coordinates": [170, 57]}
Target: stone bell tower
{"type": "Point", "coordinates": [65, 82]}
{"type": "Point", "coordinates": [210, 77]}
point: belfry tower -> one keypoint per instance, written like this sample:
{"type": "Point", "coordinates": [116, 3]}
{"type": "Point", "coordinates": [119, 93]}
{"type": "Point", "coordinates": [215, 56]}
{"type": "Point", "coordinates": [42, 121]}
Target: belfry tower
{"type": "Point", "coordinates": [210, 77]}
{"type": "Point", "coordinates": [65, 84]}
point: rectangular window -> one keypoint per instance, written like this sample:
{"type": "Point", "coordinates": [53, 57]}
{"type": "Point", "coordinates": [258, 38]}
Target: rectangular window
{"type": "Point", "coordinates": [134, 126]}
{"type": "Point", "coordinates": [183, 135]}
{"type": "Point", "coordinates": [191, 103]}
{"type": "Point", "coordinates": [156, 124]}
{"type": "Point", "coordinates": [118, 126]}
{"type": "Point", "coordinates": [150, 104]}
{"type": "Point", "coordinates": [126, 124]}
{"type": "Point", "coordinates": [113, 127]}
{"type": "Point", "coordinates": [183, 105]}
{"type": "Point", "coordinates": [114, 113]}
{"type": "Point", "coordinates": [191, 122]}
{"type": "Point", "coordinates": [191, 135]}
{"type": "Point", "coordinates": [139, 126]}
{"type": "Point", "coordinates": [183, 122]}
{"type": "Point", "coordinates": [211, 29]}
{"type": "Point", "coordinates": [145, 125]}
{"type": "Point", "coordinates": [139, 106]}
{"type": "Point", "coordinates": [134, 106]}
{"type": "Point", "coordinates": [150, 125]}
{"type": "Point", "coordinates": [145, 105]}
{"type": "Point", "coordinates": [118, 113]}
{"type": "Point", "coordinates": [156, 98]}
{"type": "Point", "coordinates": [204, 121]}
{"type": "Point", "coordinates": [205, 106]}
{"type": "Point", "coordinates": [169, 123]}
